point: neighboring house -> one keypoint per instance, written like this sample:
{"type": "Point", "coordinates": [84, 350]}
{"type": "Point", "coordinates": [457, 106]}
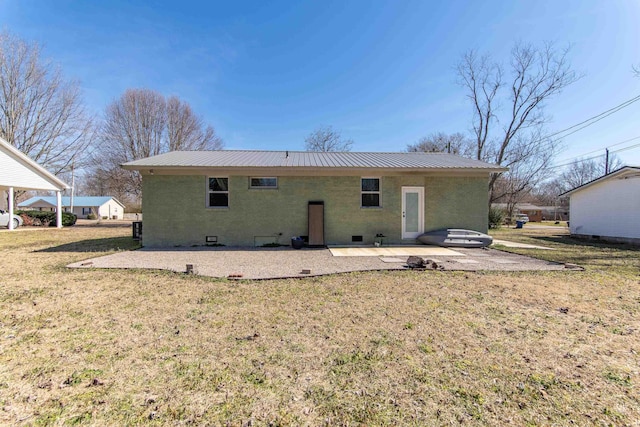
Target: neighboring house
{"type": "Point", "coordinates": [537, 213]}
{"type": "Point", "coordinates": [251, 198]}
{"type": "Point", "coordinates": [607, 208]}
{"type": "Point", "coordinates": [18, 172]}
{"type": "Point", "coordinates": [83, 206]}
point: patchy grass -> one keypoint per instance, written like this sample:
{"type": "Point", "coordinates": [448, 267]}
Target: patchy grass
{"type": "Point", "coordinates": [109, 347]}
{"type": "Point", "coordinates": [594, 256]}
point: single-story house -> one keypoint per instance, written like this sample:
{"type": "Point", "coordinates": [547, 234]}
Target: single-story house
{"type": "Point", "coordinates": [607, 208]}
{"type": "Point", "coordinates": [18, 172]}
{"type": "Point", "coordinates": [252, 198]}
{"type": "Point", "coordinates": [83, 206]}
{"type": "Point", "coordinates": [537, 213]}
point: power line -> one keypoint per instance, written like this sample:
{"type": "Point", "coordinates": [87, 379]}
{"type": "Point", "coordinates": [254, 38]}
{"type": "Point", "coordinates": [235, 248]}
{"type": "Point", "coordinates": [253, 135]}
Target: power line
{"type": "Point", "coordinates": [597, 116]}
{"type": "Point", "coordinates": [626, 148]}
{"type": "Point", "coordinates": [603, 148]}
{"type": "Point", "coordinates": [595, 157]}
{"type": "Point", "coordinates": [588, 122]}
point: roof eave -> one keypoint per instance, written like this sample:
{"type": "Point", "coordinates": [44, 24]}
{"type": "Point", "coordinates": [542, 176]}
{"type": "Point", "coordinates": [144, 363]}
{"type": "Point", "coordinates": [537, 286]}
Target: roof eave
{"type": "Point", "coordinates": [35, 167]}
{"type": "Point", "coordinates": [613, 174]}
{"type": "Point", "coordinates": [152, 168]}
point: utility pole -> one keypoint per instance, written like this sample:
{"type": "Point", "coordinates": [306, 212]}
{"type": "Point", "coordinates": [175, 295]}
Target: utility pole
{"type": "Point", "coordinates": [606, 162]}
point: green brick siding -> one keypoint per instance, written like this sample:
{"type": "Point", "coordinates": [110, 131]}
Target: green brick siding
{"type": "Point", "coordinates": [175, 212]}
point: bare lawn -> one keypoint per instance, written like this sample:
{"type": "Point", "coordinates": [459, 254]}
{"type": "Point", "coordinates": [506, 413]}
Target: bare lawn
{"type": "Point", "coordinates": [112, 347]}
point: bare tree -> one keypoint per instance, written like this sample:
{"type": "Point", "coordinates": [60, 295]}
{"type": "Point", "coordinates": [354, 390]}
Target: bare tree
{"type": "Point", "coordinates": [325, 138]}
{"type": "Point", "coordinates": [143, 123]}
{"type": "Point", "coordinates": [440, 142]}
{"type": "Point", "coordinates": [518, 182]}
{"type": "Point", "coordinates": [186, 130]}
{"type": "Point", "coordinates": [508, 110]}
{"type": "Point", "coordinates": [585, 170]}
{"type": "Point", "coordinates": [41, 113]}
{"type": "Point", "coordinates": [546, 193]}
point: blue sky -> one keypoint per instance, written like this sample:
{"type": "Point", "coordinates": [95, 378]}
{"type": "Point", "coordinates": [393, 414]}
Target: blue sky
{"type": "Point", "coordinates": [267, 73]}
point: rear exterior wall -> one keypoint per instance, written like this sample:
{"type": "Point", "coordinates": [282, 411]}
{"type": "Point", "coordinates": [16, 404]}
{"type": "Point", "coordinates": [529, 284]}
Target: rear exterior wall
{"type": "Point", "coordinates": [175, 211]}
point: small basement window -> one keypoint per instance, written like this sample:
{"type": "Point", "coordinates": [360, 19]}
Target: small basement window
{"type": "Point", "coordinates": [263, 182]}
{"type": "Point", "coordinates": [218, 193]}
{"type": "Point", "coordinates": [370, 196]}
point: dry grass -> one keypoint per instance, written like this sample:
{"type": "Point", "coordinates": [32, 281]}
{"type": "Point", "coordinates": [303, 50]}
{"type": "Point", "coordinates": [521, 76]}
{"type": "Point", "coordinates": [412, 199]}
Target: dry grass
{"type": "Point", "coordinates": [402, 348]}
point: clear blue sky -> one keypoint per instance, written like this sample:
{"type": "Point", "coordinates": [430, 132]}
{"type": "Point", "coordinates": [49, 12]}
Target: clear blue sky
{"type": "Point", "coordinates": [266, 73]}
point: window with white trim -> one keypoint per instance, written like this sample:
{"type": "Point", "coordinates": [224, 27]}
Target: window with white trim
{"type": "Point", "coordinates": [218, 193]}
{"type": "Point", "coordinates": [263, 182]}
{"type": "Point", "coordinates": [370, 193]}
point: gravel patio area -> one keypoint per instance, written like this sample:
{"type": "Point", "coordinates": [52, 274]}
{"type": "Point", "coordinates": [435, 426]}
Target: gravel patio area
{"type": "Point", "coordinates": [284, 262]}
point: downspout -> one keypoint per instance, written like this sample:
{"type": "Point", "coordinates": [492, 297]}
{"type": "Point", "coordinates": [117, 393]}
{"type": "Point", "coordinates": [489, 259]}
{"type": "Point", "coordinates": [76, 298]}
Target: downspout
{"type": "Point", "coordinates": [59, 209]}
{"type": "Point", "coordinates": [10, 224]}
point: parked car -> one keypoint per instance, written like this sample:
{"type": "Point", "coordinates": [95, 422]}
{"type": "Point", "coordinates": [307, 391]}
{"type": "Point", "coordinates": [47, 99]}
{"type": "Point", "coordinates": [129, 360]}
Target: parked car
{"type": "Point", "coordinates": [4, 220]}
{"type": "Point", "coordinates": [522, 217]}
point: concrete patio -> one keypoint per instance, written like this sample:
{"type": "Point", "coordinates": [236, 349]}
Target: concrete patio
{"type": "Point", "coordinates": [285, 262]}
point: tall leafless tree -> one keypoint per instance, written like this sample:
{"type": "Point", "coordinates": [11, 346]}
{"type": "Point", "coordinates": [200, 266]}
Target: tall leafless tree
{"type": "Point", "coordinates": [584, 170]}
{"type": "Point", "coordinates": [508, 107]}
{"type": "Point", "coordinates": [440, 142]}
{"type": "Point", "coordinates": [186, 130]}
{"type": "Point", "coordinates": [325, 138]}
{"type": "Point", "coordinates": [41, 113]}
{"type": "Point", "coordinates": [143, 123]}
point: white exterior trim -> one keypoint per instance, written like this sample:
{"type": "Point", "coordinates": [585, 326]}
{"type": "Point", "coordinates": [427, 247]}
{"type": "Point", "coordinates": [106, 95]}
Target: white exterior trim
{"type": "Point", "coordinates": [58, 209]}
{"type": "Point", "coordinates": [20, 172]}
{"type": "Point", "coordinates": [10, 224]}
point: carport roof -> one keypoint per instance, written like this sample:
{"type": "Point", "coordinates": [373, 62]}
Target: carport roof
{"type": "Point", "coordinates": [17, 170]}
{"type": "Point", "coordinates": [315, 160]}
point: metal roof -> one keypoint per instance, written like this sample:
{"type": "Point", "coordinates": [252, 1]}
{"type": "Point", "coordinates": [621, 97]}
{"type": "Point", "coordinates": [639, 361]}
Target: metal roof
{"type": "Point", "coordinates": [624, 171]}
{"type": "Point", "coordinates": [306, 159]}
{"type": "Point", "coordinates": [66, 200]}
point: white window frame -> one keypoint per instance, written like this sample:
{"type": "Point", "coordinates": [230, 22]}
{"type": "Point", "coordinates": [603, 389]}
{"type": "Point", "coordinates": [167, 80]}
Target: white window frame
{"type": "Point", "coordinates": [263, 187]}
{"type": "Point", "coordinates": [210, 191]}
{"type": "Point", "coordinates": [379, 192]}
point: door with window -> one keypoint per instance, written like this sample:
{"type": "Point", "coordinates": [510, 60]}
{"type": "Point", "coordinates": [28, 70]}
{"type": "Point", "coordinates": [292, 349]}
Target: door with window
{"type": "Point", "coordinates": [412, 212]}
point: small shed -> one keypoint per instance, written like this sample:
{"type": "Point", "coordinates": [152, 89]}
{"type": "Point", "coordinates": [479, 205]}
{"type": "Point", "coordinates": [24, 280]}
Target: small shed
{"type": "Point", "coordinates": [607, 208]}
{"type": "Point", "coordinates": [19, 172]}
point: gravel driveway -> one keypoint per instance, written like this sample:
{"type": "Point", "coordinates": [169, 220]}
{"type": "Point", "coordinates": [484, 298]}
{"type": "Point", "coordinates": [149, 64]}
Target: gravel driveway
{"type": "Point", "coordinates": [270, 263]}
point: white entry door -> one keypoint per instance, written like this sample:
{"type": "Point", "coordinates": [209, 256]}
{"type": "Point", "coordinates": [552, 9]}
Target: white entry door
{"type": "Point", "coordinates": [412, 212]}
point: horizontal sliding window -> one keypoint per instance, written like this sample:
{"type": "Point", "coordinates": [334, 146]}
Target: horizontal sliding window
{"type": "Point", "coordinates": [370, 195]}
{"type": "Point", "coordinates": [260, 182]}
{"type": "Point", "coordinates": [218, 193]}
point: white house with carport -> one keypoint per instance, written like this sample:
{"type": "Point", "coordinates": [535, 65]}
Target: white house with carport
{"type": "Point", "coordinates": [83, 206]}
{"type": "Point", "coordinates": [19, 172]}
{"type": "Point", "coordinates": [607, 208]}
